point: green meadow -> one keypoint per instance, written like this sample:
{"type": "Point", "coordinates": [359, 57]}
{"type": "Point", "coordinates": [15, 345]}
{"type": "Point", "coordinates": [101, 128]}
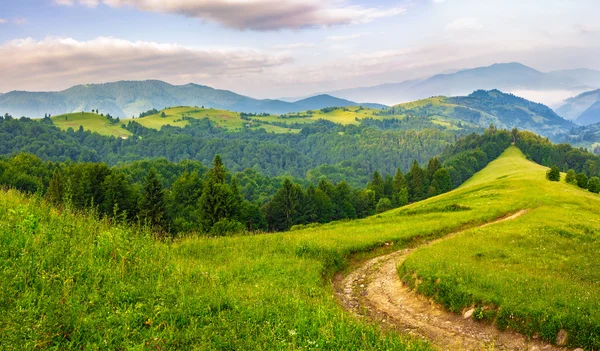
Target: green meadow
{"type": "Point", "coordinates": [69, 281]}
{"type": "Point", "coordinates": [537, 274]}
{"type": "Point", "coordinates": [90, 121]}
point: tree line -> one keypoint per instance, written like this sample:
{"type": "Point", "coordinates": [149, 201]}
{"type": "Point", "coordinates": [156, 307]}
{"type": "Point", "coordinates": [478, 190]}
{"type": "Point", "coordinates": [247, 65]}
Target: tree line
{"type": "Point", "coordinates": [187, 196]}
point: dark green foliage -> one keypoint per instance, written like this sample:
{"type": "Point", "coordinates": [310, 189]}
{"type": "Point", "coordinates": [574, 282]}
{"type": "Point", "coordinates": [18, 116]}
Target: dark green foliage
{"type": "Point", "coordinates": [594, 185]}
{"type": "Point", "coordinates": [571, 177]}
{"type": "Point", "coordinates": [441, 181]}
{"type": "Point", "coordinates": [282, 212]}
{"type": "Point", "coordinates": [152, 206]}
{"type": "Point", "coordinates": [183, 202]}
{"type": "Point", "coordinates": [383, 205]}
{"type": "Point", "coordinates": [400, 189]}
{"type": "Point", "coordinates": [582, 180]}
{"type": "Point", "coordinates": [218, 201]}
{"type": "Point", "coordinates": [416, 183]}
{"type": "Point", "coordinates": [553, 174]}
{"type": "Point", "coordinates": [119, 198]}
{"type": "Point", "coordinates": [377, 186]}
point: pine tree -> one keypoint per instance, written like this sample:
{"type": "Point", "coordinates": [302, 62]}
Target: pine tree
{"type": "Point", "coordinates": [183, 201]}
{"type": "Point", "coordinates": [441, 181]}
{"type": "Point", "coordinates": [416, 183]}
{"type": "Point", "coordinates": [117, 196]}
{"type": "Point", "coordinates": [217, 202]}
{"type": "Point", "coordinates": [433, 166]}
{"type": "Point", "coordinates": [400, 190]}
{"type": "Point", "coordinates": [377, 186]}
{"type": "Point", "coordinates": [282, 211]}
{"type": "Point", "coordinates": [152, 206]}
{"type": "Point", "coordinates": [56, 188]}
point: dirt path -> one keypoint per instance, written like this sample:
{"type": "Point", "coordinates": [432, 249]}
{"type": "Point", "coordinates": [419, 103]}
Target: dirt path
{"type": "Point", "coordinates": [374, 290]}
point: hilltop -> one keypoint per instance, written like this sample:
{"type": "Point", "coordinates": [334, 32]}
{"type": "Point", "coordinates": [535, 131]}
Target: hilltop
{"type": "Point", "coordinates": [475, 111]}
{"type": "Point", "coordinates": [130, 98]}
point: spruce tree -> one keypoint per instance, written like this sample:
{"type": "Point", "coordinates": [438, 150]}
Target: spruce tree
{"type": "Point", "coordinates": [441, 181]}
{"type": "Point", "coordinates": [56, 188]}
{"type": "Point", "coordinates": [582, 180]}
{"type": "Point", "coordinates": [282, 211]}
{"type": "Point", "coordinates": [433, 166]}
{"type": "Point", "coordinates": [416, 183]}
{"type": "Point", "coordinates": [377, 186]}
{"type": "Point", "coordinates": [117, 196]}
{"type": "Point", "coordinates": [400, 190]}
{"type": "Point", "coordinates": [152, 206]}
{"type": "Point", "coordinates": [217, 201]}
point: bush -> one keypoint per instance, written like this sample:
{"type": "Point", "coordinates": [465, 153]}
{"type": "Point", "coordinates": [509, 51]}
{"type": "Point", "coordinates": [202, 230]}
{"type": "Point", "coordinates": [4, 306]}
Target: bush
{"type": "Point", "coordinates": [553, 174]}
{"type": "Point", "coordinates": [571, 177]}
{"type": "Point", "coordinates": [594, 185]}
{"type": "Point", "coordinates": [383, 205]}
{"type": "Point", "coordinates": [582, 180]}
{"type": "Point", "coordinates": [226, 226]}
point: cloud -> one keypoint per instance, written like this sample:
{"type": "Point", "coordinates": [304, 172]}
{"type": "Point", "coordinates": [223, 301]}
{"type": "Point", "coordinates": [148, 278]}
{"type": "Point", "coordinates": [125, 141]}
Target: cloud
{"type": "Point", "coordinates": [348, 37]}
{"type": "Point", "coordinates": [2, 21]}
{"type": "Point", "coordinates": [20, 21]}
{"type": "Point", "coordinates": [259, 15]}
{"type": "Point", "coordinates": [55, 63]}
{"type": "Point", "coordinates": [464, 24]}
{"type": "Point", "coordinates": [293, 46]}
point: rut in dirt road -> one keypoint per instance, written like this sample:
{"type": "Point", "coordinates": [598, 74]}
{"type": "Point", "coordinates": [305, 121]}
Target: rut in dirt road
{"type": "Point", "coordinates": [374, 290]}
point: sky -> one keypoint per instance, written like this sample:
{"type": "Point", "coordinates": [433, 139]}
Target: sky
{"type": "Point", "coordinates": [284, 48]}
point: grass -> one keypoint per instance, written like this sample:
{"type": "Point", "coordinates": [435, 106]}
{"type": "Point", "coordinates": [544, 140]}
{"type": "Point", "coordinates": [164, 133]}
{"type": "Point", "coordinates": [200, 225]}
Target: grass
{"type": "Point", "coordinates": [344, 116]}
{"type": "Point", "coordinates": [537, 274]}
{"type": "Point", "coordinates": [71, 282]}
{"type": "Point", "coordinates": [92, 122]}
{"type": "Point", "coordinates": [224, 119]}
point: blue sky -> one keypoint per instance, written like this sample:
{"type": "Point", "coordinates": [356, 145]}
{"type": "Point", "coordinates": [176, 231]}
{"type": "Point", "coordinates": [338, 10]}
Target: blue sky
{"type": "Point", "coordinates": [275, 48]}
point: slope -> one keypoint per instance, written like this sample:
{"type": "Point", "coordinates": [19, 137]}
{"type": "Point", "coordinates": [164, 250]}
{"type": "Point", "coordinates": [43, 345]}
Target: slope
{"type": "Point", "coordinates": [130, 98]}
{"type": "Point", "coordinates": [484, 107]}
{"type": "Point", "coordinates": [70, 282]}
{"type": "Point", "coordinates": [92, 122]}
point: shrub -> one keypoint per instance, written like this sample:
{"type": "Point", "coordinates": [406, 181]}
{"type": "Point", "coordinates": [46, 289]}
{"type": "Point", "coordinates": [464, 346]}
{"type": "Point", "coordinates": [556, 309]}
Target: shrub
{"type": "Point", "coordinates": [553, 174]}
{"type": "Point", "coordinates": [571, 177]}
{"type": "Point", "coordinates": [582, 180]}
{"type": "Point", "coordinates": [594, 185]}
{"type": "Point", "coordinates": [383, 205]}
{"type": "Point", "coordinates": [226, 226]}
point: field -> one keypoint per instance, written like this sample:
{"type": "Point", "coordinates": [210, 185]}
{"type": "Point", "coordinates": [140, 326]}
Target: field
{"type": "Point", "coordinates": [536, 274]}
{"type": "Point", "coordinates": [71, 282]}
{"type": "Point", "coordinates": [90, 121]}
{"type": "Point", "coordinates": [224, 119]}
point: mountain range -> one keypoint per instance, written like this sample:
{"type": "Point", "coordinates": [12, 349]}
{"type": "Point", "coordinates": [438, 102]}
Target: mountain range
{"type": "Point", "coordinates": [130, 98]}
{"type": "Point", "coordinates": [583, 109]}
{"type": "Point", "coordinates": [546, 87]}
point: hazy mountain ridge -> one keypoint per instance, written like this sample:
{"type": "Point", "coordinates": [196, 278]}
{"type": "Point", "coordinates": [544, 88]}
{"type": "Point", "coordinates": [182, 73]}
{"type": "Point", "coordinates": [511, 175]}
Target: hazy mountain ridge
{"type": "Point", "coordinates": [502, 76]}
{"type": "Point", "coordinates": [130, 98]}
{"type": "Point", "coordinates": [584, 108]}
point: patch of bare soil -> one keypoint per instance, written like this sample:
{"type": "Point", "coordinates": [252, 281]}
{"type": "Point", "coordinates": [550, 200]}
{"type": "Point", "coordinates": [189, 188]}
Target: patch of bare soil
{"type": "Point", "coordinates": [374, 290]}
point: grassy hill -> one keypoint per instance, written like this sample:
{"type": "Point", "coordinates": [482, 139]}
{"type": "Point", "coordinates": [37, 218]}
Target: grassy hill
{"type": "Point", "coordinates": [90, 121]}
{"type": "Point", "coordinates": [70, 282]}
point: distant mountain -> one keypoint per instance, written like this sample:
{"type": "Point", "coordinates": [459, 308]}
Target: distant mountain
{"type": "Point", "coordinates": [510, 77]}
{"type": "Point", "coordinates": [130, 98]}
{"type": "Point", "coordinates": [320, 101]}
{"type": "Point", "coordinates": [583, 136]}
{"type": "Point", "coordinates": [584, 76]}
{"type": "Point", "coordinates": [583, 108]}
{"type": "Point", "coordinates": [482, 108]}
